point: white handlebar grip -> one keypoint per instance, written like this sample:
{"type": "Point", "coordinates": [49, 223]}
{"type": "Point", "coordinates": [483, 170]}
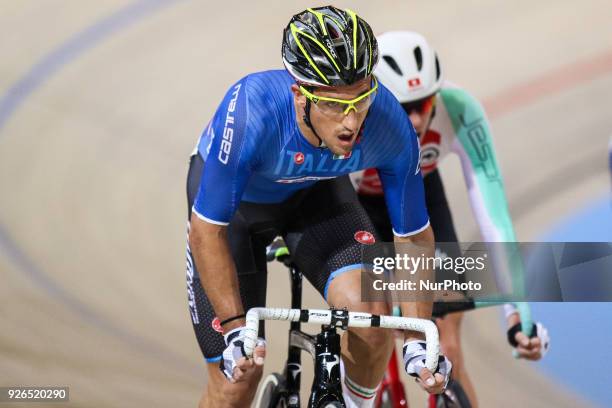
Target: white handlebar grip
{"type": "Point", "coordinates": [256, 314]}
{"type": "Point", "coordinates": [250, 333]}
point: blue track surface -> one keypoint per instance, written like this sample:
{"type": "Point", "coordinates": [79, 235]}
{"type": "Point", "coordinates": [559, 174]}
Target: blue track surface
{"type": "Point", "coordinates": [581, 347]}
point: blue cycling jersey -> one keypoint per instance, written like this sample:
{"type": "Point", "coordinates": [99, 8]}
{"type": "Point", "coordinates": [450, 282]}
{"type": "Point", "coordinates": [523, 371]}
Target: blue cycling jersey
{"type": "Point", "coordinates": [254, 151]}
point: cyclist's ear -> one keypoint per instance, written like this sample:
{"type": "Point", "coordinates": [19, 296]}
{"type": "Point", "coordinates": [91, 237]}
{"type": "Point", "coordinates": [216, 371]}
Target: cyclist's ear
{"type": "Point", "coordinates": [298, 96]}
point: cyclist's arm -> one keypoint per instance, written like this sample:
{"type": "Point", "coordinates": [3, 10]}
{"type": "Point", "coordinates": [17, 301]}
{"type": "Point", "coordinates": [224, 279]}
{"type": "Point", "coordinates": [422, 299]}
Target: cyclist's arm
{"type": "Point", "coordinates": [424, 240]}
{"type": "Point", "coordinates": [405, 197]}
{"type": "Point", "coordinates": [474, 146]}
{"type": "Point", "coordinates": [226, 172]}
{"type": "Point", "coordinates": [210, 249]}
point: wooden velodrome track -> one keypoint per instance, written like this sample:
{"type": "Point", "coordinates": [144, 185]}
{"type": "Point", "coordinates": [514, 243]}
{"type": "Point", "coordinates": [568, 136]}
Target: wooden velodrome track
{"type": "Point", "coordinates": [102, 102]}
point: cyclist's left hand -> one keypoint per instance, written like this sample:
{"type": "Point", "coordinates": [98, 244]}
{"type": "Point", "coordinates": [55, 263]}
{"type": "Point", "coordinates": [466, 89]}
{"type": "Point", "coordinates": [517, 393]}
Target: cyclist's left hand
{"type": "Point", "coordinates": [533, 348]}
{"type": "Point", "coordinates": [414, 364]}
{"type": "Point", "coordinates": [234, 364]}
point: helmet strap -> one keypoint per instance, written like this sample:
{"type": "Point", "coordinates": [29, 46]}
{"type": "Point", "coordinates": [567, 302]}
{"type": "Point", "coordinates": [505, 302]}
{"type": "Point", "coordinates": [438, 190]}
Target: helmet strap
{"type": "Point", "coordinates": [308, 123]}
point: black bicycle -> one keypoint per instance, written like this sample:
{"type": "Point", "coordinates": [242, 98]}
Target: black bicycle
{"type": "Point", "coordinates": [283, 390]}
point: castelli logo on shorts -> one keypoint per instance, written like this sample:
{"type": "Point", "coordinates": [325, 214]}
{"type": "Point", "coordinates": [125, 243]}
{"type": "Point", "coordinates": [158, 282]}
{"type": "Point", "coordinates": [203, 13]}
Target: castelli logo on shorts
{"type": "Point", "coordinates": [216, 325]}
{"type": "Point", "coordinates": [364, 237]}
{"type": "Point", "coordinates": [298, 158]}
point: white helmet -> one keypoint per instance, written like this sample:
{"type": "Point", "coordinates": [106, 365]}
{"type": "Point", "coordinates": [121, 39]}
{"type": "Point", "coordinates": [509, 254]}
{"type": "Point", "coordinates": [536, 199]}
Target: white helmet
{"type": "Point", "coordinates": [408, 66]}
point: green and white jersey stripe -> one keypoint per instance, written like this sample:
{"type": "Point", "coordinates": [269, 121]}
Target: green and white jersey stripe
{"type": "Point", "coordinates": [464, 127]}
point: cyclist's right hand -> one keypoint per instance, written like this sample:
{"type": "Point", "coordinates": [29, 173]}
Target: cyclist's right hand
{"type": "Point", "coordinates": [414, 363]}
{"type": "Point", "coordinates": [234, 364]}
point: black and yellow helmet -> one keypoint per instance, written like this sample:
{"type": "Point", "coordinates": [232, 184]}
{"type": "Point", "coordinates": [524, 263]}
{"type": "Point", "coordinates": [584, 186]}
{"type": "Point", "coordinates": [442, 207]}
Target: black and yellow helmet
{"type": "Point", "coordinates": [326, 46]}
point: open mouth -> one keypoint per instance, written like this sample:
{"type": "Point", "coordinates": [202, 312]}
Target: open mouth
{"type": "Point", "coordinates": [345, 139]}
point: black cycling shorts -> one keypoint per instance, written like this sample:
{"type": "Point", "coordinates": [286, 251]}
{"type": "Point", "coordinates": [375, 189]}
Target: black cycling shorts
{"type": "Point", "coordinates": [320, 225]}
{"type": "Point", "coordinates": [440, 218]}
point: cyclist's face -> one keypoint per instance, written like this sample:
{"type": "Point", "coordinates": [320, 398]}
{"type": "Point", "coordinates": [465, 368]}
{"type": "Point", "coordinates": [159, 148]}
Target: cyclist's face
{"type": "Point", "coordinates": [420, 113]}
{"type": "Point", "coordinates": [338, 129]}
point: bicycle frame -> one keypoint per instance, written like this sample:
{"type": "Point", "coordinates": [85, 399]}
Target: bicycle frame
{"type": "Point", "coordinates": [293, 366]}
{"type": "Point", "coordinates": [325, 347]}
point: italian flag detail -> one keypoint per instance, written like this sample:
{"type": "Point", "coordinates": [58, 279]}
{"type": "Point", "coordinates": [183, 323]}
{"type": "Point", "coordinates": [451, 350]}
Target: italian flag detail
{"type": "Point", "coordinates": [342, 156]}
{"type": "Point", "coordinates": [361, 392]}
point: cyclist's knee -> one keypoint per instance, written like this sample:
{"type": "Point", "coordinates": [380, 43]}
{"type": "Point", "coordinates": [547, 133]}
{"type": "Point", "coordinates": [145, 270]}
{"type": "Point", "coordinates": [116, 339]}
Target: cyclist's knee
{"type": "Point", "coordinates": [377, 341]}
{"type": "Point", "coordinates": [221, 393]}
{"type": "Point", "coordinates": [369, 343]}
{"type": "Point", "coordinates": [345, 291]}
{"type": "Point", "coordinates": [372, 343]}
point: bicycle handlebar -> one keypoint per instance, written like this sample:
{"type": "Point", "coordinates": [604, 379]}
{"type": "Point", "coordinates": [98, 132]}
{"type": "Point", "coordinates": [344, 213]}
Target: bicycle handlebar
{"type": "Point", "coordinates": [343, 318]}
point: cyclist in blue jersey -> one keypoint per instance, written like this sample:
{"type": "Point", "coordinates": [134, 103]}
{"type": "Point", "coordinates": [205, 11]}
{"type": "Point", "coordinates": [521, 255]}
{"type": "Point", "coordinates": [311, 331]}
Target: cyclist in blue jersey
{"type": "Point", "coordinates": [274, 160]}
{"type": "Point", "coordinates": [448, 120]}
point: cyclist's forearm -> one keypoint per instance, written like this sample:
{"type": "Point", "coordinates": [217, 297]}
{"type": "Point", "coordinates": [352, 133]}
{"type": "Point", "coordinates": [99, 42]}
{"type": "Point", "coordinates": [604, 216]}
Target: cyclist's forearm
{"type": "Point", "coordinates": [487, 196]}
{"type": "Point", "coordinates": [423, 245]}
{"type": "Point", "coordinates": [217, 271]}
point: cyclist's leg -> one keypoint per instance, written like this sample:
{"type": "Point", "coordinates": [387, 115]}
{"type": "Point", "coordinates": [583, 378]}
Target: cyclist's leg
{"type": "Point", "coordinates": [324, 246]}
{"type": "Point", "coordinates": [450, 342]}
{"type": "Point", "coordinates": [449, 326]}
{"type": "Point", "coordinates": [365, 352]}
{"type": "Point", "coordinates": [219, 392]}
{"type": "Point", "coordinates": [376, 208]}
{"type": "Point", "coordinates": [248, 249]}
